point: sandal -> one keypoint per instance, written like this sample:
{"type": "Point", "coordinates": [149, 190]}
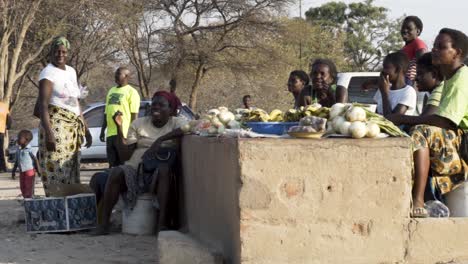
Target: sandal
{"type": "Point", "coordinates": [419, 212]}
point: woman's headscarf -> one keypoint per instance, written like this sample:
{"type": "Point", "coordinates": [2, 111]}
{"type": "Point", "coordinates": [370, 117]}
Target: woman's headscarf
{"type": "Point", "coordinates": [174, 101]}
{"type": "Point", "coordinates": [60, 41]}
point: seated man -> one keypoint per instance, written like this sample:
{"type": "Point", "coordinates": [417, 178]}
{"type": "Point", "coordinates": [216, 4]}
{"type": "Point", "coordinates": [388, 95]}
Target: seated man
{"type": "Point", "coordinates": [149, 138]}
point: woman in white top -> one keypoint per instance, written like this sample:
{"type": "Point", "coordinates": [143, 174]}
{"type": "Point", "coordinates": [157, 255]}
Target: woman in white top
{"type": "Point", "coordinates": [394, 96]}
{"type": "Point", "coordinates": [62, 126]}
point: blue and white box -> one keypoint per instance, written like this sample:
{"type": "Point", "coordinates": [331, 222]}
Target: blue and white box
{"type": "Point", "coordinates": [60, 214]}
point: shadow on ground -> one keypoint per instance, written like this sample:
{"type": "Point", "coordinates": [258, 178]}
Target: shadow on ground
{"type": "Point", "coordinates": [19, 247]}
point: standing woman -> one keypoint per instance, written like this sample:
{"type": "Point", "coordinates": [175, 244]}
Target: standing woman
{"type": "Point", "coordinates": [62, 125]}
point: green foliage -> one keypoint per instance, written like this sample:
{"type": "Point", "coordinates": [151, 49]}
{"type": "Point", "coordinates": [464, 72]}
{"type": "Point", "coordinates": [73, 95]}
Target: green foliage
{"type": "Point", "coordinates": [370, 33]}
{"type": "Point", "coordinates": [305, 42]}
{"type": "Point", "coordinates": [331, 15]}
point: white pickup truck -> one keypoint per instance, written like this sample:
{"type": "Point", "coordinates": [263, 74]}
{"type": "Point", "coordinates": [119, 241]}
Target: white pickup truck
{"type": "Point", "coordinates": [361, 85]}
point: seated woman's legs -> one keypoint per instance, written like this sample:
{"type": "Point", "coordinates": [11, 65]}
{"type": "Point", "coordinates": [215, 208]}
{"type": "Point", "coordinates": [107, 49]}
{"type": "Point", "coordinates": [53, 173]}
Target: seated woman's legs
{"type": "Point", "coordinates": [162, 193]}
{"type": "Point", "coordinates": [115, 185]}
{"type": "Point", "coordinates": [421, 173]}
{"type": "Point", "coordinates": [98, 184]}
{"type": "Point", "coordinates": [436, 150]}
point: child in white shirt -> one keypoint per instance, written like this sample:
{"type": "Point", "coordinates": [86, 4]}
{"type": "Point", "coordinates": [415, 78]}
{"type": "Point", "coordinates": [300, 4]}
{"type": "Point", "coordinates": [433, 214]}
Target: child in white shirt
{"type": "Point", "coordinates": [394, 95]}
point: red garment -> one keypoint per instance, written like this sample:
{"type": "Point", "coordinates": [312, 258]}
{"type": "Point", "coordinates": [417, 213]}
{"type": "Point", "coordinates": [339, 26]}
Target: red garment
{"type": "Point", "coordinates": [410, 51]}
{"type": "Point", "coordinates": [411, 48]}
{"type": "Point", "coordinates": [27, 182]}
{"type": "Point", "coordinates": [173, 100]}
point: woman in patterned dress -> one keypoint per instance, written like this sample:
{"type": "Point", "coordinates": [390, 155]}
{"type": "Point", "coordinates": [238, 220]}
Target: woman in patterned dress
{"type": "Point", "coordinates": [62, 125]}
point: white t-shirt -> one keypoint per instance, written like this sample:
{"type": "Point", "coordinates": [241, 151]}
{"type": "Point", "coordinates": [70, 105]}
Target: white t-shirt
{"type": "Point", "coordinates": [405, 96]}
{"type": "Point", "coordinates": [144, 134]}
{"type": "Point", "coordinates": [65, 89]}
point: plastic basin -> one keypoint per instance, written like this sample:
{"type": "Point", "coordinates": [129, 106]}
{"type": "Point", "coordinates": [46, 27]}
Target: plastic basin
{"type": "Point", "coordinates": [272, 128]}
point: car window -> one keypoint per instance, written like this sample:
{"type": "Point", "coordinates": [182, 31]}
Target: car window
{"type": "Point", "coordinates": [95, 117]}
{"type": "Point", "coordinates": [362, 89]}
{"type": "Point", "coordinates": [186, 112]}
{"type": "Point", "coordinates": [144, 109]}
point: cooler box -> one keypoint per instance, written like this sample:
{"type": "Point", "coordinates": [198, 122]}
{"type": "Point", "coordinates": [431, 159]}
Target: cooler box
{"type": "Point", "coordinates": [60, 214]}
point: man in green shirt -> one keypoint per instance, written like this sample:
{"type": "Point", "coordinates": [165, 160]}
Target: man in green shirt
{"type": "Point", "coordinates": [124, 99]}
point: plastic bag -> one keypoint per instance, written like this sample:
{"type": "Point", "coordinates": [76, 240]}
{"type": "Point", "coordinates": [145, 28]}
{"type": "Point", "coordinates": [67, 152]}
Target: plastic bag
{"type": "Point", "coordinates": [437, 209]}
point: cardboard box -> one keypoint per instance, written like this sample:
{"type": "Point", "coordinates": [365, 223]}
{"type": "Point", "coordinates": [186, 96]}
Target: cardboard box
{"type": "Point", "coordinates": [60, 214]}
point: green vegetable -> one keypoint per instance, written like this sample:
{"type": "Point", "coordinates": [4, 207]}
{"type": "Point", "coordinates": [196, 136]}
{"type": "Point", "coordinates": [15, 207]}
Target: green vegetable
{"type": "Point", "coordinates": [385, 125]}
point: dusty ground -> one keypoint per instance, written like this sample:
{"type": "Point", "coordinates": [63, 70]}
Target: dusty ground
{"type": "Point", "coordinates": [18, 247]}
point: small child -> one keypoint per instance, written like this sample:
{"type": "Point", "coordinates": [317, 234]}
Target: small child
{"type": "Point", "coordinates": [26, 161]}
{"type": "Point", "coordinates": [394, 95]}
{"type": "Point", "coordinates": [430, 80]}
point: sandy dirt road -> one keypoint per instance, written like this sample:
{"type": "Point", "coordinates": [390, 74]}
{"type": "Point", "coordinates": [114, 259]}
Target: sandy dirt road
{"type": "Point", "coordinates": [18, 247]}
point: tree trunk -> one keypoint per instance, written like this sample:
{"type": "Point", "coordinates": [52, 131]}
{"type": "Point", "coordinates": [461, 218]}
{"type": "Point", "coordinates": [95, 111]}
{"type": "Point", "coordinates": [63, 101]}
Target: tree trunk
{"type": "Point", "coordinates": [18, 91]}
{"type": "Point", "coordinates": [196, 86]}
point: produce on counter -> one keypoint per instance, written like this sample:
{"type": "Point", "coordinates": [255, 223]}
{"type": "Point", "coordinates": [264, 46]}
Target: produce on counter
{"type": "Point", "coordinates": [358, 129]}
{"type": "Point", "coordinates": [292, 115]}
{"type": "Point", "coordinates": [213, 123]}
{"type": "Point", "coordinates": [385, 125]}
{"type": "Point", "coordinates": [372, 129]}
{"type": "Point", "coordinates": [336, 123]}
{"type": "Point", "coordinates": [358, 122]}
{"type": "Point", "coordinates": [356, 113]}
{"type": "Point", "coordinates": [337, 109]}
{"type": "Point", "coordinates": [276, 116]}
{"type": "Point", "coordinates": [346, 119]}
{"type": "Point", "coordinates": [256, 115]}
{"type": "Point", "coordinates": [310, 124]}
{"type": "Point", "coordinates": [225, 117]}
{"type": "Point", "coordinates": [302, 129]}
{"type": "Point", "coordinates": [318, 123]}
{"type": "Point", "coordinates": [344, 128]}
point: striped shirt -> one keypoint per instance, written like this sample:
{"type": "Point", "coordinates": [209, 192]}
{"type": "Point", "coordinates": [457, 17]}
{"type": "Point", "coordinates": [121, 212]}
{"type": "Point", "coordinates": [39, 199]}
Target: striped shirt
{"type": "Point", "coordinates": [410, 50]}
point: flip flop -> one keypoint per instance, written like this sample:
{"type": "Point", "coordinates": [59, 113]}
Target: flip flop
{"type": "Point", "coordinates": [419, 212]}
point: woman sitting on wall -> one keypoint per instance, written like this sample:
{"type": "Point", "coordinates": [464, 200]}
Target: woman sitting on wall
{"type": "Point", "coordinates": [437, 137]}
{"type": "Point", "coordinates": [324, 75]}
{"type": "Point", "coordinates": [149, 141]}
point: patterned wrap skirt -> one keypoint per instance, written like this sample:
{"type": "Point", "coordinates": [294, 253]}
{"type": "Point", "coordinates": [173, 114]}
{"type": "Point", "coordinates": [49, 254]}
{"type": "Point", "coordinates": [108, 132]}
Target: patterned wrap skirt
{"type": "Point", "coordinates": [448, 169]}
{"type": "Point", "coordinates": [61, 166]}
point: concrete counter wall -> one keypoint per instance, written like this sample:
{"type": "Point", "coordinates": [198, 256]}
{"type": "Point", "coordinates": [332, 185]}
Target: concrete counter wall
{"type": "Point", "coordinates": [307, 201]}
{"type": "Point", "coordinates": [211, 183]}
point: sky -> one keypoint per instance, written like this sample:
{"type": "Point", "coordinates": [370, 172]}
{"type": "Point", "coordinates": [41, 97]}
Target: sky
{"type": "Point", "coordinates": [434, 15]}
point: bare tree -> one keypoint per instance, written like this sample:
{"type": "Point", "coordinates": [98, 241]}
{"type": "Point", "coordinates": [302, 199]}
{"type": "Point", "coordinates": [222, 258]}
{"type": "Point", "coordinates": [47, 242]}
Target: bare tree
{"type": "Point", "coordinates": [91, 33]}
{"type": "Point", "coordinates": [204, 33]}
{"type": "Point", "coordinates": [26, 28]}
{"type": "Point", "coordinates": [140, 37]}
